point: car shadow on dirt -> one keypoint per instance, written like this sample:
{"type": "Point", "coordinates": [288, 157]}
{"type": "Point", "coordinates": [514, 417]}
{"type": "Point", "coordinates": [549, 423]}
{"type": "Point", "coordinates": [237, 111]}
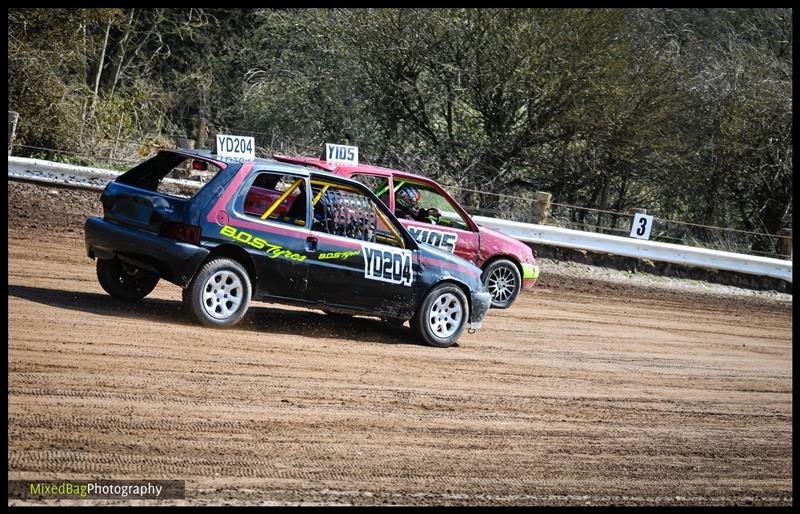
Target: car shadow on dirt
{"type": "Point", "coordinates": [259, 318]}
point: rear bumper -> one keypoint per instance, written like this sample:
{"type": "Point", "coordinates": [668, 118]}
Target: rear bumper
{"type": "Point", "coordinates": [175, 261]}
{"type": "Point", "coordinates": [481, 301]}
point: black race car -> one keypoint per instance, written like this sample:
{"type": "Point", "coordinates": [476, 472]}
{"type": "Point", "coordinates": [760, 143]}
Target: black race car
{"type": "Point", "coordinates": [276, 232]}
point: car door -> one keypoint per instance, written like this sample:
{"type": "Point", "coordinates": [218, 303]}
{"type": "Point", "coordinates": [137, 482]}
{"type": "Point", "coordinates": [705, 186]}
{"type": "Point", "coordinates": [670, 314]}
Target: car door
{"type": "Point", "coordinates": [362, 260]}
{"type": "Point", "coordinates": [269, 219]}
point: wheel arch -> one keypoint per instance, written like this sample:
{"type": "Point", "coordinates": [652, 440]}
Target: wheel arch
{"type": "Point", "coordinates": [450, 280]}
{"type": "Point", "coordinates": [238, 254]}
{"type": "Point", "coordinates": [495, 258]}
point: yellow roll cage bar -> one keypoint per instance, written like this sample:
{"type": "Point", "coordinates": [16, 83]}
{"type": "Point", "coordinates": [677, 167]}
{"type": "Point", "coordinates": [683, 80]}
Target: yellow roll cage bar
{"type": "Point", "coordinates": [325, 185]}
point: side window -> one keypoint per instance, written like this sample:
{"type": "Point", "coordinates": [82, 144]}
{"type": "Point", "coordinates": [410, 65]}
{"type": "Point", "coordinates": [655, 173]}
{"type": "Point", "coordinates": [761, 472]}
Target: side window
{"type": "Point", "coordinates": [432, 199]}
{"type": "Point", "coordinates": [277, 197]}
{"type": "Point", "coordinates": [345, 211]}
{"type": "Point", "coordinates": [378, 185]}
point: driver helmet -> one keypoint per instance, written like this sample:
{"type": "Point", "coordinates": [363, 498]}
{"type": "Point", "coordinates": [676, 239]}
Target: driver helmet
{"type": "Point", "coordinates": [408, 196]}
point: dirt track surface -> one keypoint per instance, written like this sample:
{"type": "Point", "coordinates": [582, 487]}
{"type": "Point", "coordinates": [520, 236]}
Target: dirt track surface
{"type": "Point", "coordinates": [578, 394]}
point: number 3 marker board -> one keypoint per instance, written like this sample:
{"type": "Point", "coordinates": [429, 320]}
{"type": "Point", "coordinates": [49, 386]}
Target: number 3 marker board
{"type": "Point", "coordinates": [642, 223]}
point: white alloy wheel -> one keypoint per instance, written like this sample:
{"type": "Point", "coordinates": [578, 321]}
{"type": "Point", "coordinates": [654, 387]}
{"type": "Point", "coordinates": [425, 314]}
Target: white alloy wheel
{"type": "Point", "coordinates": [445, 315]}
{"type": "Point", "coordinates": [219, 293]}
{"type": "Point", "coordinates": [222, 294]}
{"type": "Point", "coordinates": [441, 316]}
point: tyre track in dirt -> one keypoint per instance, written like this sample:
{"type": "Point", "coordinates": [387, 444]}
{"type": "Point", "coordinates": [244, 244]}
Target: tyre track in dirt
{"type": "Point", "coordinates": [572, 396]}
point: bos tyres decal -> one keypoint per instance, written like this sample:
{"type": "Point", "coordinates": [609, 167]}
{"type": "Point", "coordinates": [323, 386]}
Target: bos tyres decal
{"type": "Point", "coordinates": [272, 251]}
{"type": "Point", "coordinates": [444, 240]}
{"type": "Point", "coordinates": [387, 264]}
{"type": "Point", "coordinates": [337, 255]}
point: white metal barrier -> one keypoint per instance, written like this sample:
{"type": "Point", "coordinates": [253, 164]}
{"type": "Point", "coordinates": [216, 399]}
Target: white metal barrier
{"type": "Point", "coordinates": [630, 247]}
{"type": "Point", "coordinates": [19, 167]}
{"type": "Point", "coordinates": [70, 174]}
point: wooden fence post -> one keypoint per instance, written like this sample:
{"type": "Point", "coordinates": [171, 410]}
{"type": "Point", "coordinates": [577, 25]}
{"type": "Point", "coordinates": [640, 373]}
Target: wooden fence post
{"type": "Point", "coordinates": [212, 139]}
{"type": "Point", "coordinates": [633, 212]}
{"type": "Point", "coordinates": [786, 242]}
{"type": "Point", "coordinates": [185, 142]}
{"type": "Point", "coordinates": [13, 117]}
{"type": "Point", "coordinates": [185, 170]}
{"type": "Point", "coordinates": [541, 207]}
{"type": "Point", "coordinates": [201, 133]}
{"type": "Point", "coordinates": [113, 152]}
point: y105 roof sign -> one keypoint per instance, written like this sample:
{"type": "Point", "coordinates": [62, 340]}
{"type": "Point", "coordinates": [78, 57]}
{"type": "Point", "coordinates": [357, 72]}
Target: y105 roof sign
{"type": "Point", "coordinates": [236, 146]}
{"type": "Point", "coordinates": [341, 154]}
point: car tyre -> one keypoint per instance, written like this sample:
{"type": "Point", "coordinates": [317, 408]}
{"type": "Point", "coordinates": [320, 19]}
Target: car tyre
{"type": "Point", "coordinates": [504, 281]}
{"type": "Point", "coordinates": [219, 293]}
{"type": "Point", "coordinates": [442, 316]}
{"type": "Point", "coordinates": [123, 281]}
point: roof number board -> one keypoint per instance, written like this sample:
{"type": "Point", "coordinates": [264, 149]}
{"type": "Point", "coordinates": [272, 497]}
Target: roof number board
{"type": "Point", "coordinates": [236, 146]}
{"type": "Point", "coordinates": [341, 154]}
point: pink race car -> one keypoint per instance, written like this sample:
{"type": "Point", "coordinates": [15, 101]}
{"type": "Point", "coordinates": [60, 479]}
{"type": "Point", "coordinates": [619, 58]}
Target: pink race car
{"type": "Point", "coordinates": [432, 216]}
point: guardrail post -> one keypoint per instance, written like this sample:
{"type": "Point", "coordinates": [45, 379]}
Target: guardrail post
{"type": "Point", "coordinates": [13, 117]}
{"type": "Point", "coordinates": [541, 207]}
{"type": "Point", "coordinates": [786, 242]}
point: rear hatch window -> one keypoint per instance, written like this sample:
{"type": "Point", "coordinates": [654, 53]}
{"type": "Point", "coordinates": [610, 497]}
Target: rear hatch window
{"type": "Point", "coordinates": [171, 174]}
